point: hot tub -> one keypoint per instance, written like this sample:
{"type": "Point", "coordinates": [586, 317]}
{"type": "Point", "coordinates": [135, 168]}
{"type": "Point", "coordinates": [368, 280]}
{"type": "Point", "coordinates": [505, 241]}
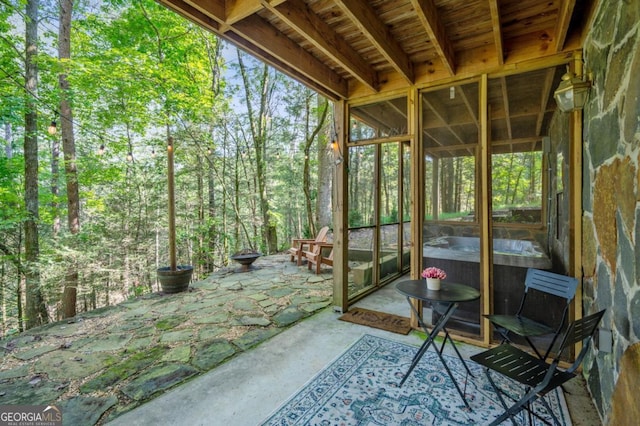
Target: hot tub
{"type": "Point", "coordinates": [460, 258]}
{"type": "Point", "coordinates": [517, 253]}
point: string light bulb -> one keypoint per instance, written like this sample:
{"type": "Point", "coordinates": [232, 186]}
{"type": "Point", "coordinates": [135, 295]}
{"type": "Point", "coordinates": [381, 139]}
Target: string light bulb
{"type": "Point", "coordinates": [153, 153]}
{"type": "Point", "coordinates": [101, 149]}
{"type": "Point", "coordinates": [130, 156]}
{"type": "Point", "coordinates": [53, 127]}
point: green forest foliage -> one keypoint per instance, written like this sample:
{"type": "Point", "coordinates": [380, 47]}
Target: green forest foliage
{"type": "Point", "coordinates": [138, 74]}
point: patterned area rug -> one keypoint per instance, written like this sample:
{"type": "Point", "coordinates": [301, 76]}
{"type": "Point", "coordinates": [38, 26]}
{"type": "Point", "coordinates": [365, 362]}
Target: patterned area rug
{"type": "Point", "coordinates": [361, 388]}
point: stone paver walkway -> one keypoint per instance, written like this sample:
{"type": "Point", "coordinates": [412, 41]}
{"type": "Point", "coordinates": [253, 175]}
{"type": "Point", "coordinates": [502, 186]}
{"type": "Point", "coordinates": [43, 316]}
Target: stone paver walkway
{"type": "Point", "coordinates": [108, 361]}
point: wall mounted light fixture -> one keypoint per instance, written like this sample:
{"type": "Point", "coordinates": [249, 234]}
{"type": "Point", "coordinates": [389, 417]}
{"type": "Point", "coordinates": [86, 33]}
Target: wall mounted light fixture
{"type": "Point", "coordinates": [335, 147]}
{"type": "Point", "coordinates": [335, 144]}
{"type": "Point", "coordinates": [571, 94]}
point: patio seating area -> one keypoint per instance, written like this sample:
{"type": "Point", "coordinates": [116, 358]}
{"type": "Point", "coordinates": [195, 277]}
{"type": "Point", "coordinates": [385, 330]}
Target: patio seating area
{"type": "Point", "coordinates": [266, 376]}
{"type": "Point", "coordinates": [248, 340]}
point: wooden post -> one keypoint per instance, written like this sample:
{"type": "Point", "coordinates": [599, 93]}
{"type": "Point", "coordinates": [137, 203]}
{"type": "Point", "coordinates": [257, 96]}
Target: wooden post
{"type": "Point", "coordinates": [575, 202]}
{"type": "Point", "coordinates": [340, 206]}
{"type": "Point", "coordinates": [172, 206]}
{"type": "Point", "coordinates": [485, 211]}
{"type": "Point", "coordinates": [417, 195]}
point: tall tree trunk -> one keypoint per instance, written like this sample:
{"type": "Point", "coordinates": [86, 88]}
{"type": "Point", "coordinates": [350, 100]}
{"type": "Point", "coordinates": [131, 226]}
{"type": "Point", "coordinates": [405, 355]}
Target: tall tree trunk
{"type": "Point", "coordinates": [211, 209]}
{"type": "Point", "coordinates": [69, 150]}
{"type": "Point", "coordinates": [447, 180]}
{"type": "Point", "coordinates": [458, 184]}
{"type": "Point", "coordinates": [532, 176]}
{"type": "Point", "coordinates": [306, 175]}
{"type": "Point", "coordinates": [384, 180]}
{"type": "Point", "coordinates": [236, 201]}
{"type": "Point", "coordinates": [325, 180]}
{"type": "Point", "coordinates": [55, 190]}
{"type": "Point", "coordinates": [173, 262]}
{"type": "Point", "coordinates": [354, 184]}
{"type": "Point", "coordinates": [36, 311]}
{"type": "Point", "coordinates": [311, 134]}
{"type": "Point", "coordinates": [509, 173]}
{"type": "Point", "coordinates": [8, 148]}
{"type": "Point", "coordinates": [201, 253]}
{"type": "Point", "coordinates": [258, 124]}
{"type": "Point", "coordinates": [225, 223]}
{"type": "Point", "coordinates": [212, 240]}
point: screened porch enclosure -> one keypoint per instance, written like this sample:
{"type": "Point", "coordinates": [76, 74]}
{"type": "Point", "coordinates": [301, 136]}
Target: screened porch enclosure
{"type": "Point", "coordinates": [378, 62]}
{"type": "Point", "coordinates": [454, 200]}
{"type": "Point", "coordinates": [379, 231]}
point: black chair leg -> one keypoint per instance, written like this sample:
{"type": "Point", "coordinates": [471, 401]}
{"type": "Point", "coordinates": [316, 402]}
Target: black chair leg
{"type": "Point", "coordinates": [498, 392]}
{"type": "Point", "coordinates": [550, 411]}
{"type": "Point", "coordinates": [535, 349]}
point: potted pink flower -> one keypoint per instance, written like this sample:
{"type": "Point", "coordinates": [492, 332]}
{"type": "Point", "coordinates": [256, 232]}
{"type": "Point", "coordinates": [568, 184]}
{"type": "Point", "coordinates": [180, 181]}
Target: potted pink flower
{"type": "Point", "coordinates": [433, 276]}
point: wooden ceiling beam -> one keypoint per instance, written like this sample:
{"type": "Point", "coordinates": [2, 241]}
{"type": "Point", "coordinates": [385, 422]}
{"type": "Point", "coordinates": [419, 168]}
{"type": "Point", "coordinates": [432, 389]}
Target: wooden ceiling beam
{"type": "Point", "coordinates": [309, 25]}
{"type": "Point", "coordinates": [371, 120]}
{"type": "Point", "coordinates": [452, 149]}
{"type": "Point", "coordinates": [518, 141]}
{"type": "Point", "coordinates": [213, 8]}
{"type": "Point", "coordinates": [252, 49]}
{"type": "Point", "coordinates": [428, 16]}
{"type": "Point", "coordinates": [237, 10]}
{"type": "Point", "coordinates": [440, 112]}
{"type": "Point", "coordinates": [544, 98]}
{"type": "Point", "coordinates": [228, 12]}
{"type": "Point", "coordinates": [193, 14]}
{"type": "Point", "coordinates": [260, 33]}
{"type": "Point", "coordinates": [562, 27]}
{"type": "Point", "coordinates": [507, 107]}
{"type": "Point", "coordinates": [285, 57]}
{"type": "Point", "coordinates": [433, 138]}
{"type": "Point", "coordinates": [497, 30]}
{"type": "Point", "coordinates": [472, 112]}
{"type": "Point", "coordinates": [365, 19]}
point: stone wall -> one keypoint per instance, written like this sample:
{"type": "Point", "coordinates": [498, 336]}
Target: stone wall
{"type": "Point", "coordinates": [611, 182]}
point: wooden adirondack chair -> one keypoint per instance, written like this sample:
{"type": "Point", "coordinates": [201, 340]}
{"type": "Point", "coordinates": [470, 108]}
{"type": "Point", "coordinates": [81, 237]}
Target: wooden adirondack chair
{"type": "Point", "coordinates": [315, 256]}
{"type": "Point", "coordinates": [299, 245]}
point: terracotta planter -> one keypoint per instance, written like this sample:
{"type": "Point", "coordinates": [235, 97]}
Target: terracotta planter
{"type": "Point", "coordinates": [175, 281]}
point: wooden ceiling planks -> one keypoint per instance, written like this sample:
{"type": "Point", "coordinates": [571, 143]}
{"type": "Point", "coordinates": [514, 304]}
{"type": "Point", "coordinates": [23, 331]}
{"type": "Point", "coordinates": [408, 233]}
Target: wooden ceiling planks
{"type": "Point", "coordinates": [348, 48]}
{"type": "Point", "coordinates": [358, 50]}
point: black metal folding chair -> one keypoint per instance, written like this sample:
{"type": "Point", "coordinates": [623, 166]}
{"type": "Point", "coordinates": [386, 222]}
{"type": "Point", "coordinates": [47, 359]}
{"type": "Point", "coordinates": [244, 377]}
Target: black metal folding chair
{"type": "Point", "coordinates": [537, 376]}
{"type": "Point", "coordinates": [519, 324]}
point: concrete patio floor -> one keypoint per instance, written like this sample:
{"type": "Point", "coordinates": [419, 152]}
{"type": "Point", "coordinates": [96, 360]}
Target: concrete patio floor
{"type": "Point", "coordinates": [249, 387]}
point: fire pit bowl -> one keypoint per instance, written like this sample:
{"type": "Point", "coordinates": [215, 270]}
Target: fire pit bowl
{"type": "Point", "coordinates": [245, 258]}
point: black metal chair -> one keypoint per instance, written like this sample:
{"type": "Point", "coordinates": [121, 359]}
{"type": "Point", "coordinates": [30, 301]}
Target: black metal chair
{"type": "Point", "coordinates": [519, 324]}
{"type": "Point", "coordinates": [537, 376]}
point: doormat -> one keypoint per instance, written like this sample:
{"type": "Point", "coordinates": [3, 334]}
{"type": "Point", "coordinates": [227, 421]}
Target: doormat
{"type": "Point", "coordinates": [375, 319]}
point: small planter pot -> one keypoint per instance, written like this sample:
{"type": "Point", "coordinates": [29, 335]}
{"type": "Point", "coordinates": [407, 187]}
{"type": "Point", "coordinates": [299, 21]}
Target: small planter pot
{"type": "Point", "coordinates": [433, 283]}
{"type": "Point", "coordinates": [175, 281]}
